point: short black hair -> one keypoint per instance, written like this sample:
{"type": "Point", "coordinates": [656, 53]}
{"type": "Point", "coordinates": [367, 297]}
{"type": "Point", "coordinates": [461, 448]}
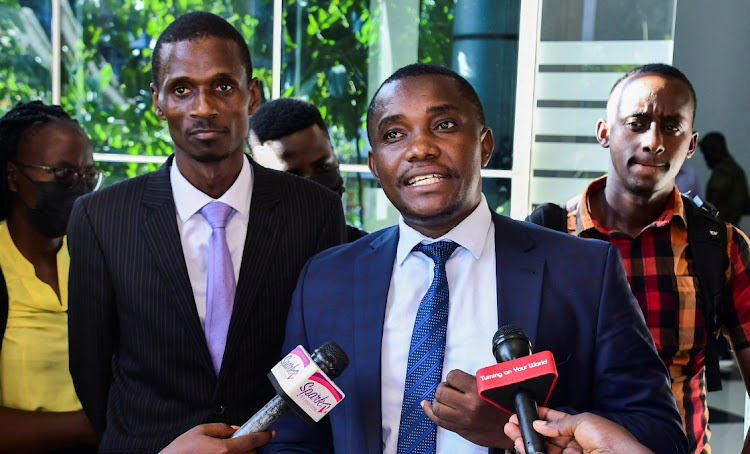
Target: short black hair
{"type": "Point", "coordinates": [13, 125]}
{"type": "Point", "coordinates": [662, 69]}
{"type": "Point", "coordinates": [426, 69]}
{"type": "Point", "coordinates": [194, 26]}
{"type": "Point", "coordinates": [284, 116]}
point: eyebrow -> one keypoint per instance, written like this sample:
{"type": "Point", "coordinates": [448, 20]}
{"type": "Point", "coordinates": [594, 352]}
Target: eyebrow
{"type": "Point", "coordinates": [430, 110]}
{"type": "Point", "coordinates": [213, 77]}
{"type": "Point", "coordinates": [673, 117]}
{"type": "Point", "coordinates": [441, 108]}
{"type": "Point", "coordinates": [676, 117]}
{"type": "Point", "coordinates": [389, 119]}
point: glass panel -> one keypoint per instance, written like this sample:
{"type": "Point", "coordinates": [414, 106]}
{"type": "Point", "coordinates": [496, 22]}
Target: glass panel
{"type": "Point", "coordinates": [107, 68]}
{"type": "Point", "coordinates": [365, 203]}
{"type": "Point", "coordinates": [607, 20]}
{"type": "Point", "coordinates": [25, 53]}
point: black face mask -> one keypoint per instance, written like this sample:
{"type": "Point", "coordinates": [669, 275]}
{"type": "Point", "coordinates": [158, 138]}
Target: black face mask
{"type": "Point", "coordinates": [54, 203]}
{"type": "Point", "coordinates": [331, 179]}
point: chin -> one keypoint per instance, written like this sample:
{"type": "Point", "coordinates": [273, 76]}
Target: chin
{"type": "Point", "coordinates": [643, 190]}
{"type": "Point", "coordinates": [431, 217]}
{"type": "Point", "coordinates": [210, 156]}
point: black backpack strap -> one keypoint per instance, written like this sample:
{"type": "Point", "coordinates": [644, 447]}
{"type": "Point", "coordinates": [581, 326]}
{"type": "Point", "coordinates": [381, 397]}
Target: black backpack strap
{"type": "Point", "coordinates": [707, 236]}
{"type": "Point", "coordinates": [550, 215]}
{"type": "Point", "coordinates": [3, 307]}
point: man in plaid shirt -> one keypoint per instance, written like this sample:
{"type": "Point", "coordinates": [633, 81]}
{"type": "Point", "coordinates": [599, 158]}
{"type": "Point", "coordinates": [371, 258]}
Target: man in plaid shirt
{"type": "Point", "coordinates": [637, 207]}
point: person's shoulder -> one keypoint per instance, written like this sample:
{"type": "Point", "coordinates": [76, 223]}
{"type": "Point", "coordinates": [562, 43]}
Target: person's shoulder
{"type": "Point", "coordinates": [544, 238]}
{"type": "Point", "coordinates": [122, 192]}
{"type": "Point", "coordinates": [347, 252]}
{"type": "Point", "coordinates": [736, 236]}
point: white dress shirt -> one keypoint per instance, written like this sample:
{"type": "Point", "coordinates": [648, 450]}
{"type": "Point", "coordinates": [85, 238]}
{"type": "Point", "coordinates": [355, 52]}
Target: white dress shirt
{"type": "Point", "coordinates": [472, 316]}
{"type": "Point", "coordinates": [195, 231]}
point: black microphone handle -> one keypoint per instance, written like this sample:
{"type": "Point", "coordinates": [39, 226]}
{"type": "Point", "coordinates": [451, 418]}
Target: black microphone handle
{"type": "Point", "coordinates": [527, 413]}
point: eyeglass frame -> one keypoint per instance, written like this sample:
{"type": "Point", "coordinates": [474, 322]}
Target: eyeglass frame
{"type": "Point", "coordinates": [100, 176]}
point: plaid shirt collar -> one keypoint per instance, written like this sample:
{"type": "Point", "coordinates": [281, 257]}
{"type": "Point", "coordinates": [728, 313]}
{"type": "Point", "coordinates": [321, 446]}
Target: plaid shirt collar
{"type": "Point", "coordinates": [584, 222]}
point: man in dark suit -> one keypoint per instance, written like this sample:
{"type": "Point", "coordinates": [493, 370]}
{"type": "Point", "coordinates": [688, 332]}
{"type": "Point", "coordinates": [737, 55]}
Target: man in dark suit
{"type": "Point", "coordinates": [429, 141]}
{"type": "Point", "coordinates": [141, 293]}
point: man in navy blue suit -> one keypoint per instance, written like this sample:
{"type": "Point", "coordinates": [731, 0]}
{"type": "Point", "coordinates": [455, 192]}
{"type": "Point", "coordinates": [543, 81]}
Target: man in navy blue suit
{"type": "Point", "coordinates": [429, 142]}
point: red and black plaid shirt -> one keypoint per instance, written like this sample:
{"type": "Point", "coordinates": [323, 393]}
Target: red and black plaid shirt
{"type": "Point", "coordinates": [659, 264]}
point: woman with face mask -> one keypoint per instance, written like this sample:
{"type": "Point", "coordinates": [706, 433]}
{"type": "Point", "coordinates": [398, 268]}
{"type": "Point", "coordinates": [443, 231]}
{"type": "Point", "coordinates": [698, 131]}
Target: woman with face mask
{"type": "Point", "coordinates": [46, 163]}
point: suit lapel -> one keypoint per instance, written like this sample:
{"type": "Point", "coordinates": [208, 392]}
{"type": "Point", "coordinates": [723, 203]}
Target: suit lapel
{"type": "Point", "coordinates": [519, 277]}
{"type": "Point", "coordinates": [375, 267]}
{"type": "Point", "coordinates": [260, 244]}
{"type": "Point", "coordinates": [163, 237]}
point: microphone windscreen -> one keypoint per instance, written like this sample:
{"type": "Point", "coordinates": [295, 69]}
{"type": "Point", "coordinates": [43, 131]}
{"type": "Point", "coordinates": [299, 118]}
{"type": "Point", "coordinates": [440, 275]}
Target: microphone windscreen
{"type": "Point", "coordinates": [331, 359]}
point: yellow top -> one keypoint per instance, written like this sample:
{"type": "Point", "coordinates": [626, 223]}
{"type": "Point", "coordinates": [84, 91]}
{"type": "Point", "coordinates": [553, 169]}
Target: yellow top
{"type": "Point", "coordinates": [34, 372]}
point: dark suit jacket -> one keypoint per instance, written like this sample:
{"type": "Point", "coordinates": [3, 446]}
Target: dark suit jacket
{"type": "Point", "coordinates": [570, 296]}
{"type": "Point", "coordinates": [138, 354]}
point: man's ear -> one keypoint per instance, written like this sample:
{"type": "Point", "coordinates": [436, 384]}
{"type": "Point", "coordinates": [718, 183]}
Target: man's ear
{"type": "Point", "coordinates": [602, 132]}
{"type": "Point", "coordinates": [254, 96]}
{"type": "Point", "coordinates": [155, 98]}
{"type": "Point", "coordinates": [487, 145]}
{"type": "Point", "coordinates": [371, 164]}
{"type": "Point", "coordinates": [693, 144]}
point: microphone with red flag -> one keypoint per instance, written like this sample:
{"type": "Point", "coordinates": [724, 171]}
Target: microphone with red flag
{"type": "Point", "coordinates": [518, 381]}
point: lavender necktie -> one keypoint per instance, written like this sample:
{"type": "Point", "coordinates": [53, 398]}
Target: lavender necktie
{"type": "Point", "coordinates": [220, 286]}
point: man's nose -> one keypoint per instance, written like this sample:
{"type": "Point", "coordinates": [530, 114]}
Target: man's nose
{"type": "Point", "coordinates": [203, 104]}
{"type": "Point", "coordinates": [653, 139]}
{"type": "Point", "coordinates": [422, 147]}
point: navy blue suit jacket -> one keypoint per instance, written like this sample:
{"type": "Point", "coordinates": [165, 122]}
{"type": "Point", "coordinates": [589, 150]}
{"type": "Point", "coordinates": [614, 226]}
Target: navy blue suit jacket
{"type": "Point", "coordinates": [570, 296]}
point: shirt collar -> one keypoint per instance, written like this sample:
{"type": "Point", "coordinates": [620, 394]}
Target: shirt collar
{"type": "Point", "coordinates": [189, 200]}
{"type": "Point", "coordinates": [674, 209]}
{"type": "Point", "coordinates": [470, 233]}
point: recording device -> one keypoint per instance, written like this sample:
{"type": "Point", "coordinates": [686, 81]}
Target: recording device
{"type": "Point", "coordinates": [518, 381]}
{"type": "Point", "coordinates": [303, 383]}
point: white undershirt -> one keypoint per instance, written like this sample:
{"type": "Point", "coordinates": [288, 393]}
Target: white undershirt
{"type": "Point", "coordinates": [472, 316]}
{"type": "Point", "coordinates": [195, 231]}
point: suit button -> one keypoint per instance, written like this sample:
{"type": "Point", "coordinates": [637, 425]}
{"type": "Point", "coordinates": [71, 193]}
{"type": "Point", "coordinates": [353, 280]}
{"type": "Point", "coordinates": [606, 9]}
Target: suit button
{"type": "Point", "coordinates": [220, 409]}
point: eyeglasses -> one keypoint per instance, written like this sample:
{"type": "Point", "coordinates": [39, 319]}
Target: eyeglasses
{"type": "Point", "coordinates": [67, 176]}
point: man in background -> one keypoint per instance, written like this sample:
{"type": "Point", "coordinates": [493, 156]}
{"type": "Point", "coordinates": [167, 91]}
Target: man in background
{"type": "Point", "coordinates": [290, 135]}
{"type": "Point", "coordinates": [727, 186]}
{"type": "Point", "coordinates": [181, 279]}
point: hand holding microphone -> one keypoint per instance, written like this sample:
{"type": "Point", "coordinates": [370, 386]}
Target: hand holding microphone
{"type": "Point", "coordinates": [585, 432]}
{"type": "Point", "coordinates": [518, 382]}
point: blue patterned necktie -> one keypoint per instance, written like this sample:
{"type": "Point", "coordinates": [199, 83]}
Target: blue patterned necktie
{"type": "Point", "coordinates": [424, 369]}
{"type": "Point", "coordinates": [220, 287]}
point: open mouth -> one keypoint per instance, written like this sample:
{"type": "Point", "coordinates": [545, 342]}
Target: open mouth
{"type": "Point", "coordinates": [205, 133]}
{"type": "Point", "coordinates": [422, 180]}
